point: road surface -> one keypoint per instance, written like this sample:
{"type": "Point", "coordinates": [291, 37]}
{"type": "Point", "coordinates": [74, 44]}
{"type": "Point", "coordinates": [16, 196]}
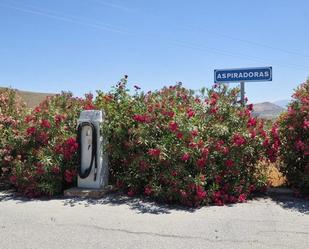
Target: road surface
{"type": "Point", "coordinates": [122, 222]}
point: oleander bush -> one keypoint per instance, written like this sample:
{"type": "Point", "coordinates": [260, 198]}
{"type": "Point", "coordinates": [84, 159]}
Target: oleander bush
{"type": "Point", "coordinates": [180, 147]}
{"type": "Point", "coordinates": [12, 112]}
{"type": "Point", "coordinates": [43, 160]}
{"type": "Point", "coordinates": [294, 135]}
{"type": "Point", "coordinates": [173, 145]}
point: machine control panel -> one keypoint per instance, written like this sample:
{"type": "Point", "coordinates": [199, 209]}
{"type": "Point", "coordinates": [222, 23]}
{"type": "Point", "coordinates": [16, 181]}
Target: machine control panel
{"type": "Point", "coordinates": [91, 115]}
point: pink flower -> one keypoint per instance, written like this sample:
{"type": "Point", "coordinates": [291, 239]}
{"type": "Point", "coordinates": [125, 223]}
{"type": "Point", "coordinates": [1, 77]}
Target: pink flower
{"type": "Point", "coordinates": [218, 179]}
{"type": "Point", "coordinates": [173, 126]}
{"type": "Point", "coordinates": [202, 178]}
{"type": "Point", "coordinates": [179, 135]}
{"type": "Point", "coordinates": [56, 170]}
{"type": "Point", "coordinates": [40, 170]}
{"type": "Point", "coordinates": [219, 202]}
{"type": "Point", "coordinates": [242, 197]}
{"type": "Point", "coordinates": [205, 152]}
{"type": "Point", "coordinates": [266, 142]}
{"type": "Point", "coordinates": [306, 124]}
{"type": "Point", "coordinates": [275, 132]}
{"type": "Point", "coordinates": [252, 188]}
{"type": "Point", "coordinates": [253, 134]}
{"type": "Point", "coordinates": [185, 157]}
{"type": "Point", "coordinates": [89, 106]}
{"type": "Point", "coordinates": [58, 119]}
{"type": "Point", "coordinates": [291, 111]}
{"type": "Point", "coordinates": [67, 149]}
{"type": "Point", "coordinates": [148, 190]}
{"type": "Point", "coordinates": [13, 179]}
{"type": "Point", "coordinates": [138, 118]}
{"type": "Point", "coordinates": [28, 119]}
{"type": "Point", "coordinates": [213, 110]}
{"type": "Point", "coordinates": [263, 133]}
{"type": "Point", "coordinates": [119, 184]}
{"type": "Point", "coordinates": [229, 163]}
{"type": "Point", "coordinates": [72, 142]}
{"type": "Point", "coordinates": [68, 176]}
{"type": "Point", "coordinates": [31, 130]}
{"type": "Point", "coordinates": [251, 122]}
{"type": "Point", "coordinates": [217, 194]}
{"type": "Point", "coordinates": [45, 124]}
{"type": "Point", "coordinates": [250, 107]}
{"type": "Point", "coordinates": [201, 163]}
{"type": "Point", "coordinates": [37, 110]}
{"type": "Point", "coordinates": [232, 199]}
{"type": "Point", "coordinates": [154, 152]}
{"type": "Point", "coordinates": [201, 194]}
{"type": "Point", "coordinates": [213, 98]}
{"type": "Point", "coordinates": [193, 145]}
{"type": "Point", "coordinates": [42, 137]}
{"type": "Point", "coordinates": [238, 140]}
{"type": "Point", "coordinates": [225, 150]}
{"type": "Point", "coordinates": [183, 194]}
{"type": "Point", "coordinates": [142, 118]}
{"type": "Point", "coordinates": [194, 133]}
{"type": "Point", "coordinates": [171, 114]}
{"type": "Point", "coordinates": [131, 192]}
{"type": "Point", "coordinates": [190, 113]}
{"type": "Point", "coordinates": [299, 145]}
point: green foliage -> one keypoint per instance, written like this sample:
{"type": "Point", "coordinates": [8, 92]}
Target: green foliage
{"type": "Point", "coordinates": [179, 147]}
{"type": "Point", "coordinates": [294, 136]}
{"type": "Point", "coordinates": [12, 112]}
{"type": "Point", "coordinates": [39, 154]}
{"type": "Point", "coordinates": [173, 145]}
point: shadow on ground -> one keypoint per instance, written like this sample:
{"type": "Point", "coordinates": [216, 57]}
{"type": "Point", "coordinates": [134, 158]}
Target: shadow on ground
{"type": "Point", "coordinates": [144, 205]}
{"type": "Point", "coordinates": [139, 204]}
{"type": "Point", "coordinates": [292, 203]}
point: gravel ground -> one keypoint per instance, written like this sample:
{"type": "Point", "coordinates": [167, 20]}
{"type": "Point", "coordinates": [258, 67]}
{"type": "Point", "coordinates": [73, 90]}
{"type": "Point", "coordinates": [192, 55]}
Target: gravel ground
{"type": "Point", "coordinates": [121, 222]}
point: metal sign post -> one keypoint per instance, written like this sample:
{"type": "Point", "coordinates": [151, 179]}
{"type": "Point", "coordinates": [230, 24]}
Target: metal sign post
{"type": "Point", "coordinates": [242, 92]}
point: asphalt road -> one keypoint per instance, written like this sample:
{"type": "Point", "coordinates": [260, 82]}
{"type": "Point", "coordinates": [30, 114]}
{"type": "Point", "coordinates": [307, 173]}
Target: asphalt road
{"type": "Point", "coordinates": [121, 222]}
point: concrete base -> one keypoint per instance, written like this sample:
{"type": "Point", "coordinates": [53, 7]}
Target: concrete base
{"type": "Point", "coordinates": [88, 193]}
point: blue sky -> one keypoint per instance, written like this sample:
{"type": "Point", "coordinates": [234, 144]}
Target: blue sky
{"type": "Point", "coordinates": [84, 45]}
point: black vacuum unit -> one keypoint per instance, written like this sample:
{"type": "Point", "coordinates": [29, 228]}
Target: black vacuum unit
{"type": "Point", "coordinates": [93, 147]}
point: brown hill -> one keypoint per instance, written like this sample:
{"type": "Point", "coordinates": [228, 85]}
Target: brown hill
{"type": "Point", "coordinates": [32, 99]}
{"type": "Point", "coordinates": [267, 110]}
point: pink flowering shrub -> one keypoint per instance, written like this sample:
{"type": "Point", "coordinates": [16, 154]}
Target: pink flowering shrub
{"type": "Point", "coordinates": [178, 147]}
{"type": "Point", "coordinates": [45, 161]}
{"type": "Point", "coordinates": [294, 135]}
{"type": "Point", "coordinates": [12, 112]}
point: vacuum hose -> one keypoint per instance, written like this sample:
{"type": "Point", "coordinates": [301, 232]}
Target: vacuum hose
{"type": "Point", "coordinates": [86, 173]}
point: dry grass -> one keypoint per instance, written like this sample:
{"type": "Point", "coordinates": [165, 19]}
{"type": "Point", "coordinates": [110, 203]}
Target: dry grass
{"type": "Point", "coordinates": [271, 171]}
{"type": "Point", "coordinates": [275, 178]}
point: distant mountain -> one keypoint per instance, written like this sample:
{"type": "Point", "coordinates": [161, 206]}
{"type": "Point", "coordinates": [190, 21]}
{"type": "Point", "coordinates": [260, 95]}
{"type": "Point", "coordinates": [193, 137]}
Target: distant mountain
{"type": "Point", "coordinates": [283, 103]}
{"type": "Point", "coordinates": [267, 110]}
{"type": "Point", "coordinates": [31, 99]}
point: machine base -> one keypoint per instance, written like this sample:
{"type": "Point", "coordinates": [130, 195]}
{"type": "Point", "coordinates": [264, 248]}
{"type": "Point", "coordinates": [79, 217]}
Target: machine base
{"type": "Point", "coordinates": [89, 192]}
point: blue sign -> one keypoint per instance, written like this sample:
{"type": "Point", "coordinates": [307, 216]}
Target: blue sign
{"type": "Point", "coordinates": [243, 74]}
